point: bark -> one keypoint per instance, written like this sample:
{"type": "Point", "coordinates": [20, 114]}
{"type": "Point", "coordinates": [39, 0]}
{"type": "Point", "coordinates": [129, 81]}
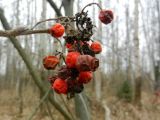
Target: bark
{"type": "Point", "coordinates": [21, 31]}
{"type": "Point", "coordinates": [149, 45]}
{"type": "Point", "coordinates": [157, 64]}
{"type": "Point", "coordinates": [19, 95]}
{"type": "Point", "coordinates": [19, 81]}
{"type": "Point", "coordinates": [33, 72]}
{"type": "Point", "coordinates": [129, 69]}
{"type": "Point", "coordinates": [8, 70]}
{"type": "Point", "coordinates": [53, 5]}
{"type": "Point", "coordinates": [137, 97]}
{"type": "Point", "coordinates": [98, 84]}
{"type": "Point", "coordinates": [68, 6]}
{"type": "Point", "coordinates": [41, 51]}
{"type": "Point", "coordinates": [82, 110]}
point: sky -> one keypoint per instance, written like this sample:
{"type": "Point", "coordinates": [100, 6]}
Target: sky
{"type": "Point", "coordinates": [119, 10]}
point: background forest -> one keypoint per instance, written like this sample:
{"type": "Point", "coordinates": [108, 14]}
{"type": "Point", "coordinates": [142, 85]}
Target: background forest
{"type": "Point", "coordinates": [126, 86]}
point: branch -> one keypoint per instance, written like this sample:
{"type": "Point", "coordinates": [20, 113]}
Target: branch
{"type": "Point", "coordinates": [90, 5]}
{"type": "Point", "coordinates": [54, 6]}
{"type": "Point", "coordinates": [61, 6]}
{"type": "Point", "coordinates": [67, 107]}
{"type": "Point", "coordinates": [37, 107]}
{"type": "Point", "coordinates": [59, 19]}
{"type": "Point", "coordinates": [33, 72]}
{"type": "Point", "coordinates": [49, 111]}
{"type": "Point", "coordinates": [21, 31]}
{"type": "Point", "coordinates": [25, 31]}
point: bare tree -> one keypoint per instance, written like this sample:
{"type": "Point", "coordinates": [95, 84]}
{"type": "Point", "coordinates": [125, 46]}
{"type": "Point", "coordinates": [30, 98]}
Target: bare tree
{"type": "Point", "coordinates": [35, 75]}
{"type": "Point", "coordinates": [136, 54]}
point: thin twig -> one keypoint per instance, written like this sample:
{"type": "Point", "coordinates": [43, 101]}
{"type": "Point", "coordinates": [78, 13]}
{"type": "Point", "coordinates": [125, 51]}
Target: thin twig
{"type": "Point", "coordinates": [52, 19]}
{"type": "Point", "coordinates": [90, 5]}
{"type": "Point", "coordinates": [59, 42]}
{"type": "Point", "coordinates": [65, 104]}
{"type": "Point", "coordinates": [49, 110]}
{"type": "Point", "coordinates": [37, 107]}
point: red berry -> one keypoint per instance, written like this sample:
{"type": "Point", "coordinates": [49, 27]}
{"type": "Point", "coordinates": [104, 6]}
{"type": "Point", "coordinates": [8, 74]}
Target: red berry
{"type": "Point", "coordinates": [96, 47]}
{"type": "Point", "coordinates": [50, 62]}
{"type": "Point", "coordinates": [68, 45]}
{"type": "Point", "coordinates": [60, 86]}
{"type": "Point", "coordinates": [57, 30]}
{"type": "Point", "coordinates": [106, 16]}
{"type": "Point", "coordinates": [71, 59]}
{"type": "Point", "coordinates": [85, 77]}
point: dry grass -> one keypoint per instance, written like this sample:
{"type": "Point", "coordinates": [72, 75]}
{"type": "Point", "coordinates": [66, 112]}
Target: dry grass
{"type": "Point", "coordinates": [119, 109]}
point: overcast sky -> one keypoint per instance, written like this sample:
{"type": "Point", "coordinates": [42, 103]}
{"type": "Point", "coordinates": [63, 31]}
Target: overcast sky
{"type": "Point", "coordinates": [119, 10]}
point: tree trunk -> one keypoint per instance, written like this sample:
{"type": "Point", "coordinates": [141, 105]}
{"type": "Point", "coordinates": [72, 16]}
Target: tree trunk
{"type": "Point", "coordinates": [42, 45]}
{"type": "Point", "coordinates": [68, 6]}
{"type": "Point", "coordinates": [98, 84]}
{"type": "Point", "coordinates": [157, 64]}
{"type": "Point", "coordinates": [138, 84]}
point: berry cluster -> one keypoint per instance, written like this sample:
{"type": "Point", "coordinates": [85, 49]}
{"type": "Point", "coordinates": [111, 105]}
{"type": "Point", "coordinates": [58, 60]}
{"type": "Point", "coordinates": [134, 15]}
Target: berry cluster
{"type": "Point", "coordinates": [80, 61]}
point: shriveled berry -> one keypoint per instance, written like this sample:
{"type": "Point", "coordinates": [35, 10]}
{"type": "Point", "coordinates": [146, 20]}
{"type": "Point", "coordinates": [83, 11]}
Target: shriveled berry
{"type": "Point", "coordinates": [60, 86]}
{"type": "Point", "coordinates": [64, 72]}
{"type": "Point", "coordinates": [74, 86]}
{"type": "Point", "coordinates": [57, 30]}
{"type": "Point", "coordinates": [87, 63]}
{"type": "Point", "coordinates": [50, 62]}
{"type": "Point", "coordinates": [71, 59]}
{"type": "Point", "coordinates": [106, 16]}
{"type": "Point", "coordinates": [78, 88]}
{"type": "Point", "coordinates": [85, 77]}
{"type": "Point", "coordinates": [96, 47]}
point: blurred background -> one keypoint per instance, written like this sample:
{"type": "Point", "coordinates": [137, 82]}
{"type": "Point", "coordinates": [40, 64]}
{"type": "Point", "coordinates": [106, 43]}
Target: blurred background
{"type": "Point", "coordinates": [125, 87]}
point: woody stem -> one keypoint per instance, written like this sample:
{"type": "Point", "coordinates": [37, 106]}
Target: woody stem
{"type": "Point", "coordinates": [90, 5]}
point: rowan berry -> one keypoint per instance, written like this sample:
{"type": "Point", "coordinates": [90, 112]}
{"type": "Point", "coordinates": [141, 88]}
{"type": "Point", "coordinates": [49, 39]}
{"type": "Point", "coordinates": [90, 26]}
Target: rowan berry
{"type": "Point", "coordinates": [50, 62]}
{"type": "Point", "coordinates": [57, 30]}
{"type": "Point", "coordinates": [96, 47]}
{"type": "Point", "coordinates": [71, 59]}
{"type": "Point", "coordinates": [85, 77]}
{"type": "Point", "coordinates": [106, 16]}
{"type": "Point", "coordinates": [60, 86]}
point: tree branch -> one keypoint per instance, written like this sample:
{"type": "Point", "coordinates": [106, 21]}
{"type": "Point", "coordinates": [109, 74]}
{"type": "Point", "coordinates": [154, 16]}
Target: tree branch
{"type": "Point", "coordinates": [21, 31]}
{"type": "Point", "coordinates": [54, 6]}
{"type": "Point", "coordinates": [33, 72]}
{"type": "Point", "coordinates": [38, 106]}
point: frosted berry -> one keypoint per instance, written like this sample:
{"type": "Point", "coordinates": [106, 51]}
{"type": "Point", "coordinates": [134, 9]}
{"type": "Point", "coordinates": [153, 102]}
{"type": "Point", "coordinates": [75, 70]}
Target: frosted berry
{"type": "Point", "coordinates": [85, 77]}
{"type": "Point", "coordinates": [106, 16]}
{"type": "Point", "coordinates": [50, 62]}
{"type": "Point", "coordinates": [60, 86]}
{"type": "Point", "coordinates": [57, 30]}
{"type": "Point", "coordinates": [96, 47]}
{"type": "Point", "coordinates": [71, 59]}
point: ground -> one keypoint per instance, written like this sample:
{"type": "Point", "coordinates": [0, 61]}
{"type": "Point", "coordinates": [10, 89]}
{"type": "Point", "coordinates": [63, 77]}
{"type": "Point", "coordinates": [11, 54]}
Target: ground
{"type": "Point", "coordinates": [119, 110]}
